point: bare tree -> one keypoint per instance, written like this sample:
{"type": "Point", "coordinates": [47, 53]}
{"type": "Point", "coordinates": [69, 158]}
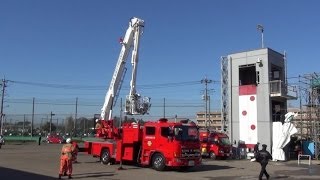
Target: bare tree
{"type": "Point", "coordinates": [69, 124]}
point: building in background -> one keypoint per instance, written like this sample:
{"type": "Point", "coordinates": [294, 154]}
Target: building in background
{"type": "Point", "coordinates": [213, 120]}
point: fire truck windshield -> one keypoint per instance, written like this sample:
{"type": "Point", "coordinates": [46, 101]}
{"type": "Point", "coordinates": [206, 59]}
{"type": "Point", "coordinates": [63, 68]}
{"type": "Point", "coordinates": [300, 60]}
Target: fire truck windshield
{"type": "Point", "coordinates": [221, 140]}
{"type": "Point", "coordinates": [186, 133]}
{"type": "Point", "coordinates": [225, 141]}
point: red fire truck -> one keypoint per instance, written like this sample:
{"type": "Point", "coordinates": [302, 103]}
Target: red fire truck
{"type": "Point", "coordinates": [215, 145]}
{"type": "Point", "coordinates": [159, 143]}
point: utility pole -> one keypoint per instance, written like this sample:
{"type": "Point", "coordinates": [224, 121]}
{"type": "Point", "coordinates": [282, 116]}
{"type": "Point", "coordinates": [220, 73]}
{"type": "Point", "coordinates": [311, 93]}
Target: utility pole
{"type": "Point", "coordinates": [32, 119]}
{"type": "Point", "coordinates": [75, 117]}
{"type": "Point", "coordinates": [209, 110]}
{"type": "Point", "coordinates": [51, 114]}
{"type": "Point", "coordinates": [2, 100]}
{"type": "Point", "coordinates": [206, 82]}
{"type": "Point", "coordinates": [84, 126]}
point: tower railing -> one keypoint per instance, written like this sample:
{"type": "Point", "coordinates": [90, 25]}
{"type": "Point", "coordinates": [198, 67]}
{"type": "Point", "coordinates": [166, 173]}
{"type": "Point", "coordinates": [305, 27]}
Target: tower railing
{"type": "Point", "coordinates": [279, 88]}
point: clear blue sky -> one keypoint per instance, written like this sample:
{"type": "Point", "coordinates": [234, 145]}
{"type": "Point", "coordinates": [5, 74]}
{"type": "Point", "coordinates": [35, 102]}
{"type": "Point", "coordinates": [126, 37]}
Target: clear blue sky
{"type": "Point", "coordinates": [58, 50]}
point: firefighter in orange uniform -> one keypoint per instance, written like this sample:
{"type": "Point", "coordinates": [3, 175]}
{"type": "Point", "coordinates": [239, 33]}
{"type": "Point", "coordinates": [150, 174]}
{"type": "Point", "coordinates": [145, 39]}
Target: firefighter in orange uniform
{"type": "Point", "coordinates": [100, 129]}
{"type": "Point", "coordinates": [66, 159]}
{"type": "Point", "coordinates": [98, 124]}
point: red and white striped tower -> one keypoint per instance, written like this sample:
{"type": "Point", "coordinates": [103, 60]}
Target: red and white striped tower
{"type": "Point", "coordinates": [248, 115]}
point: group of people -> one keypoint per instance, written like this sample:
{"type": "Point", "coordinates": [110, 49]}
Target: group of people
{"type": "Point", "coordinates": [262, 156]}
{"type": "Point", "coordinates": [104, 128]}
{"type": "Point", "coordinates": [68, 156]}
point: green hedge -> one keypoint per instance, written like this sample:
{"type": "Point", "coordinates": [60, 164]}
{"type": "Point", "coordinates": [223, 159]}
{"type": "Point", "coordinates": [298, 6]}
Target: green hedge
{"type": "Point", "coordinates": [20, 138]}
{"type": "Point", "coordinates": [9, 139]}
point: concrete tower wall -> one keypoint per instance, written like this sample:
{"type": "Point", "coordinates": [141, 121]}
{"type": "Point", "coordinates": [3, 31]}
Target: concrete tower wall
{"type": "Point", "coordinates": [250, 102]}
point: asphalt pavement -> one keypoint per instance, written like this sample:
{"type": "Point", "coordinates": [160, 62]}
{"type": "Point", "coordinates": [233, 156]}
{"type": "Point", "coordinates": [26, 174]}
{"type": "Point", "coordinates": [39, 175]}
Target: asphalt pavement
{"type": "Point", "coordinates": [30, 161]}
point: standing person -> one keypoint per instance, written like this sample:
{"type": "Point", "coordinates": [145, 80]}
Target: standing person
{"type": "Point", "coordinates": [66, 159]}
{"type": "Point", "coordinates": [75, 152]}
{"type": "Point", "coordinates": [39, 140]}
{"type": "Point", "coordinates": [98, 124]}
{"type": "Point", "coordinates": [100, 129]}
{"type": "Point", "coordinates": [263, 157]}
{"type": "Point", "coordinates": [256, 148]}
{"type": "Point", "coordinates": [255, 151]}
{"type": "Point", "coordinates": [1, 140]}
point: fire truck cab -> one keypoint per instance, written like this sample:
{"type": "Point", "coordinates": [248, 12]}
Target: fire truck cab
{"type": "Point", "coordinates": [158, 144]}
{"type": "Point", "coordinates": [215, 145]}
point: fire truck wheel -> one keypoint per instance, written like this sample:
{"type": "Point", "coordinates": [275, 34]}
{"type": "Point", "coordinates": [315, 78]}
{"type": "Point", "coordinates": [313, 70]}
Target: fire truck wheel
{"type": "Point", "coordinates": [212, 155]}
{"type": "Point", "coordinates": [158, 162]}
{"type": "Point", "coordinates": [105, 156]}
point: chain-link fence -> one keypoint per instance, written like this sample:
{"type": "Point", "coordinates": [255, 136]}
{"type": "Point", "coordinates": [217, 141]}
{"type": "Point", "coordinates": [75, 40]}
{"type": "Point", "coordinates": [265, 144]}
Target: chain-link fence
{"type": "Point", "coordinates": [43, 124]}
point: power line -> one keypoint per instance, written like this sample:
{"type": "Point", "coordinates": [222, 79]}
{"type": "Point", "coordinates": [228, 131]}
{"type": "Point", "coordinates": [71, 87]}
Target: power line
{"type": "Point", "coordinates": [86, 87]}
{"type": "Point", "coordinates": [62, 86]}
{"type": "Point", "coordinates": [98, 105]}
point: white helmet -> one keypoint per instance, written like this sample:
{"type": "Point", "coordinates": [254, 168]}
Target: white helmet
{"type": "Point", "coordinates": [68, 140]}
{"type": "Point", "coordinates": [97, 120]}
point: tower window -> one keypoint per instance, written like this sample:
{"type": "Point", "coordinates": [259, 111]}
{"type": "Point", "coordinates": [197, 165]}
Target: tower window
{"type": "Point", "coordinates": [247, 75]}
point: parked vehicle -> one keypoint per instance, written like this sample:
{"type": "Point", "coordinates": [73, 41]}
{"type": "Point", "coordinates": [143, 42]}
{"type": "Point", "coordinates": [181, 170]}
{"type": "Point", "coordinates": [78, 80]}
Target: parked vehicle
{"type": "Point", "coordinates": [55, 139]}
{"type": "Point", "coordinates": [215, 145]}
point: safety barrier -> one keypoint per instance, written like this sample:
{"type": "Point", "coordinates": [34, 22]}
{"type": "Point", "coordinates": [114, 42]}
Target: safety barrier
{"type": "Point", "coordinates": [304, 155]}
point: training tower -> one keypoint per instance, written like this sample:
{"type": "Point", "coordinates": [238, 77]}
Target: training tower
{"type": "Point", "coordinates": [254, 94]}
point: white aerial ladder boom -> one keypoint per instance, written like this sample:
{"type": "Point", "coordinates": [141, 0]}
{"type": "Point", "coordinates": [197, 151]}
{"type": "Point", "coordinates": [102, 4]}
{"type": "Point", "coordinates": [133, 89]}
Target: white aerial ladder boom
{"type": "Point", "coordinates": [135, 104]}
